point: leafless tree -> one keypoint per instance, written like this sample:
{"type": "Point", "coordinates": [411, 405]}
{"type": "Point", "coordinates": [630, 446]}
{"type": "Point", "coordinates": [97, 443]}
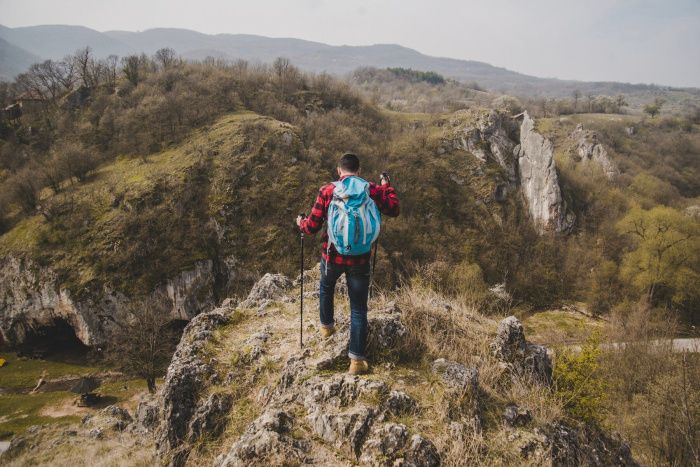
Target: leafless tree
{"type": "Point", "coordinates": [576, 95]}
{"type": "Point", "coordinates": [144, 341]}
{"type": "Point", "coordinates": [166, 57]}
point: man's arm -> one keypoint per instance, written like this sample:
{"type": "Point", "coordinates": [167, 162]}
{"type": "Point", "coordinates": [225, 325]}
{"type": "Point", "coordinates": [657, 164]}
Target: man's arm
{"type": "Point", "coordinates": [386, 198]}
{"type": "Point", "coordinates": [313, 223]}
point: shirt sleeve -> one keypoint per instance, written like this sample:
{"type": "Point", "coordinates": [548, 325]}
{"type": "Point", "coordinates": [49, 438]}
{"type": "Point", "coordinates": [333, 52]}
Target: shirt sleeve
{"type": "Point", "coordinates": [314, 221]}
{"type": "Point", "coordinates": [386, 199]}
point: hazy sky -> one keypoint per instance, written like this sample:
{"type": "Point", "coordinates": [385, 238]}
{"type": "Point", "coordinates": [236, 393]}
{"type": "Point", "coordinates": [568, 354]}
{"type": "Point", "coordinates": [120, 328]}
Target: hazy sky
{"type": "Point", "coordinates": [622, 40]}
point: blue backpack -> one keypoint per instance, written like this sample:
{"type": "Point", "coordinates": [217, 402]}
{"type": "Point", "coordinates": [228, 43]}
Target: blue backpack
{"type": "Point", "coordinates": [353, 217]}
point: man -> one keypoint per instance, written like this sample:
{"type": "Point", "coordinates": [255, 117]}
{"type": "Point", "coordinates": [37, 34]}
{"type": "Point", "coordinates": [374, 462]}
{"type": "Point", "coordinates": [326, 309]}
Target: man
{"type": "Point", "coordinates": [355, 266]}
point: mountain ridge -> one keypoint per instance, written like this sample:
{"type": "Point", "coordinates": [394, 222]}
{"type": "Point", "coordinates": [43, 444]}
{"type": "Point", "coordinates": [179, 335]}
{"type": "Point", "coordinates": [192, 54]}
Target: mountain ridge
{"type": "Point", "coordinates": [56, 41]}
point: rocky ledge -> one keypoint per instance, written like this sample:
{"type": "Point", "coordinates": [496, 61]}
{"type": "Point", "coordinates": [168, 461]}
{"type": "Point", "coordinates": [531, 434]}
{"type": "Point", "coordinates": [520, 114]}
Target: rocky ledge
{"type": "Point", "coordinates": [309, 411]}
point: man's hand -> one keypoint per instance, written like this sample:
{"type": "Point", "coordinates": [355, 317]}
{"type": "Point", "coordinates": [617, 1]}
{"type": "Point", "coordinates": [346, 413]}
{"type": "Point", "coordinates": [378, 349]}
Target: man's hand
{"type": "Point", "coordinates": [384, 178]}
{"type": "Point", "coordinates": [299, 219]}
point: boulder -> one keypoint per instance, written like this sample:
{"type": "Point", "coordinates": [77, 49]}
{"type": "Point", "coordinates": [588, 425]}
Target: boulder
{"type": "Point", "coordinates": [270, 287]}
{"type": "Point", "coordinates": [521, 357]}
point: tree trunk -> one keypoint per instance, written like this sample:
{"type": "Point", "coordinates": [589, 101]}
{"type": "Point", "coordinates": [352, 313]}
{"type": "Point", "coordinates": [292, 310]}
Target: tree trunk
{"type": "Point", "coordinates": [151, 382]}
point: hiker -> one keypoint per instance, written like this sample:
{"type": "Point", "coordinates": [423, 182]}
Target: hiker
{"type": "Point", "coordinates": [350, 208]}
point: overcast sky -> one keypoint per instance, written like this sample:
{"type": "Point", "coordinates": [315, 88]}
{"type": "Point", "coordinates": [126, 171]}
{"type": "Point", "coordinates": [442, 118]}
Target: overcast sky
{"type": "Point", "coordinates": [613, 40]}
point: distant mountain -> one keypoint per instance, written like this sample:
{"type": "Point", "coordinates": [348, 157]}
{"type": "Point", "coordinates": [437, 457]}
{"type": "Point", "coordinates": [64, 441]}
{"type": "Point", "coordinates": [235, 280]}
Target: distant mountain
{"type": "Point", "coordinates": [14, 60]}
{"type": "Point", "coordinates": [56, 41]}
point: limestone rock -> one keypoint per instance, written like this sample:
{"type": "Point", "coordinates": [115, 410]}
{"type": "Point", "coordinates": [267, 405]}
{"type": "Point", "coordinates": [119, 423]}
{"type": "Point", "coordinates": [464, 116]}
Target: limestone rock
{"type": "Point", "coordinates": [32, 296]}
{"type": "Point", "coordinates": [399, 403]}
{"type": "Point", "coordinates": [210, 417]}
{"type": "Point", "coordinates": [147, 413]}
{"type": "Point", "coordinates": [515, 416]}
{"type": "Point", "coordinates": [269, 287]}
{"type": "Point", "coordinates": [110, 418]}
{"type": "Point", "coordinates": [267, 441]}
{"type": "Point", "coordinates": [520, 356]}
{"type": "Point", "coordinates": [184, 380]}
{"type": "Point", "coordinates": [486, 137]}
{"type": "Point", "coordinates": [456, 376]}
{"type": "Point", "coordinates": [386, 333]}
{"type": "Point", "coordinates": [385, 445]}
{"type": "Point", "coordinates": [588, 150]}
{"type": "Point", "coordinates": [347, 429]}
{"type": "Point", "coordinates": [585, 445]}
{"type": "Point", "coordinates": [422, 452]}
{"type": "Point", "coordinates": [539, 180]}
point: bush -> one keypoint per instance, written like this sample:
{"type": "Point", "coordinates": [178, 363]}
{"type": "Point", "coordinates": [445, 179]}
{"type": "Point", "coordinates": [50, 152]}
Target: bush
{"type": "Point", "coordinates": [578, 381]}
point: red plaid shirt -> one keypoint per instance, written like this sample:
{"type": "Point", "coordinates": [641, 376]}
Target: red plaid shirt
{"type": "Point", "coordinates": [383, 195]}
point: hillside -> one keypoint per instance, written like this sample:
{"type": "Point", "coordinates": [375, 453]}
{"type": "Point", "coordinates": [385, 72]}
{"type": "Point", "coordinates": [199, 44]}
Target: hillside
{"type": "Point", "coordinates": [54, 42]}
{"type": "Point", "coordinates": [163, 179]}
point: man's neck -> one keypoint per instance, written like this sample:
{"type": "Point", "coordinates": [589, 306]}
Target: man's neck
{"type": "Point", "coordinates": [348, 174]}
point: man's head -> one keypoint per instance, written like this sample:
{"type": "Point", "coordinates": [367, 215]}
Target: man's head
{"type": "Point", "coordinates": [349, 164]}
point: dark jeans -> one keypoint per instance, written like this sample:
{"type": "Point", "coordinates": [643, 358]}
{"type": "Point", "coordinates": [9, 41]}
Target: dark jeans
{"type": "Point", "coordinates": [358, 288]}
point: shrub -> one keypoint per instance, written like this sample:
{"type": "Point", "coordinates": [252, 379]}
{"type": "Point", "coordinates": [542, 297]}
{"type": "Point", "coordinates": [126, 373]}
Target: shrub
{"type": "Point", "coordinates": [578, 381]}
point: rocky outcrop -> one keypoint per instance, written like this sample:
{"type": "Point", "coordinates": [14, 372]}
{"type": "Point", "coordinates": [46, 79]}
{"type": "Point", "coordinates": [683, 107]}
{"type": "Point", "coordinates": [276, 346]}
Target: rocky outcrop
{"type": "Point", "coordinates": [32, 296]}
{"type": "Point", "coordinates": [520, 357]}
{"type": "Point", "coordinates": [587, 149]}
{"type": "Point", "coordinates": [183, 415]}
{"type": "Point", "coordinates": [539, 181]}
{"type": "Point", "coordinates": [579, 444]}
{"type": "Point", "coordinates": [314, 413]}
{"type": "Point", "coordinates": [270, 287]}
{"type": "Point", "coordinates": [527, 163]}
{"type": "Point", "coordinates": [486, 137]}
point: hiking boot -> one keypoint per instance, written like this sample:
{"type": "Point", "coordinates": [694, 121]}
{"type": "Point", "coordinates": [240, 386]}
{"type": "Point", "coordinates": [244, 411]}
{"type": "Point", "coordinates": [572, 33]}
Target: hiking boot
{"type": "Point", "coordinates": [327, 332]}
{"type": "Point", "coordinates": [358, 367]}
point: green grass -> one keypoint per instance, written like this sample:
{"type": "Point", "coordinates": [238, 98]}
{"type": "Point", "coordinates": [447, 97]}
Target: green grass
{"type": "Point", "coordinates": [21, 373]}
{"type": "Point", "coordinates": [20, 411]}
{"type": "Point", "coordinates": [559, 327]}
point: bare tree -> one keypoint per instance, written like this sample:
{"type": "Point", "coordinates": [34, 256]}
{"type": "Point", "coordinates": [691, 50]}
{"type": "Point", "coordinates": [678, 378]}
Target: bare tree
{"type": "Point", "coordinates": [576, 95]}
{"type": "Point", "coordinates": [84, 65]}
{"type": "Point", "coordinates": [77, 161]}
{"type": "Point", "coordinates": [144, 342]}
{"type": "Point", "coordinates": [165, 57]}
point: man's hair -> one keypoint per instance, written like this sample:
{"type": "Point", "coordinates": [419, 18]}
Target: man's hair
{"type": "Point", "coordinates": [349, 162]}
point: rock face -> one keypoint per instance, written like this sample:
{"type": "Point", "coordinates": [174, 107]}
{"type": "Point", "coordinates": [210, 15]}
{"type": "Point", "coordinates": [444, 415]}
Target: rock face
{"type": "Point", "coordinates": [183, 415]}
{"type": "Point", "coordinates": [311, 412]}
{"type": "Point", "coordinates": [518, 355]}
{"type": "Point", "coordinates": [487, 138]}
{"type": "Point", "coordinates": [539, 180]}
{"type": "Point", "coordinates": [528, 163]}
{"type": "Point", "coordinates": [588, 150]}
{"type": "Point", "coordinates": [31, 296]}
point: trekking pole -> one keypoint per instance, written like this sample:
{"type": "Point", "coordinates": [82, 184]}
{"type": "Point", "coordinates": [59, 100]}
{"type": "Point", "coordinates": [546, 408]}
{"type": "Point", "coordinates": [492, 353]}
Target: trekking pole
{"type": "Point", "coordinates": [382, 177]}
{"type": "Point", "coordinates": [374, 264]}
{"type": "Point", "coordinates": [301, 293]}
